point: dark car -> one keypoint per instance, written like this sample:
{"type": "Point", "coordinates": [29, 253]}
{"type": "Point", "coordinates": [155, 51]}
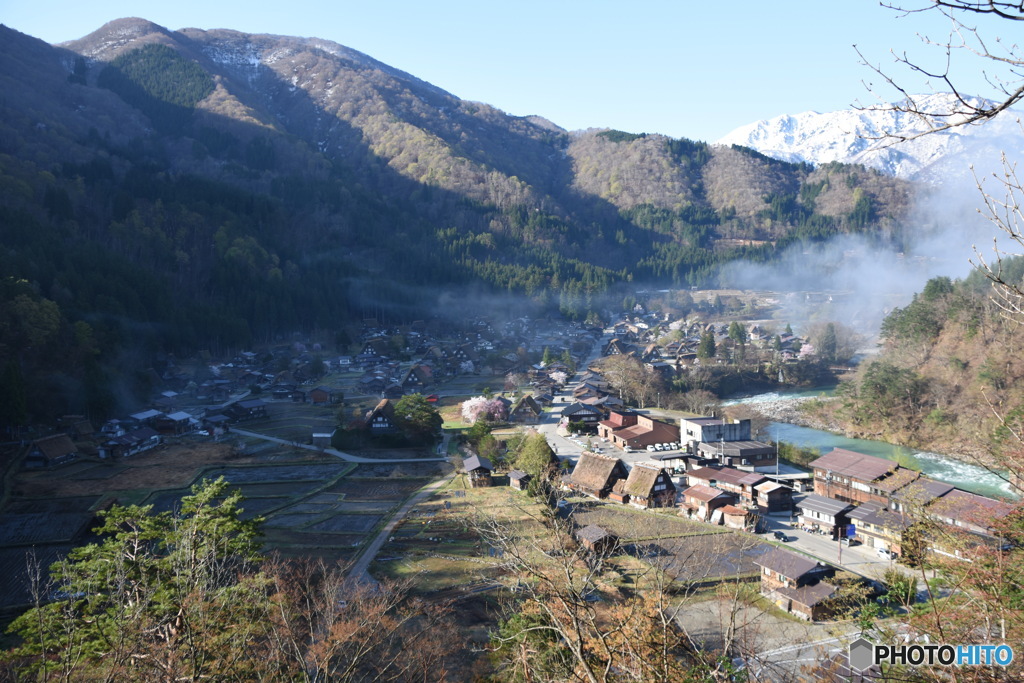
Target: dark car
{"type": "Point", "coordinates": [779, 536]}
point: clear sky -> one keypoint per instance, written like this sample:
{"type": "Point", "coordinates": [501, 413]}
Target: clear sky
{"type": "Point", "coordinates": [682, 68]}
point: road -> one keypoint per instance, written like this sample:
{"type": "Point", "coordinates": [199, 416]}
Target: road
{"type": "Point", "coordinates": [859, 559]}
{"type": "Point", "coordinates": [358, 572]}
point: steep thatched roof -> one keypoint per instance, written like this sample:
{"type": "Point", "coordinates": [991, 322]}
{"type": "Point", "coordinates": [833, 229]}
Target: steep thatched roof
{"type": "Point", "coordinates": [385, 407]}
{"type": "Point", "coordinates": [56, 446]}
{"type": "Point", "coordinates": [526, 403]}
{"type": "Point", "coordinates": [596, 472]}
{"type": "Point", "coordinates": [642, 478]}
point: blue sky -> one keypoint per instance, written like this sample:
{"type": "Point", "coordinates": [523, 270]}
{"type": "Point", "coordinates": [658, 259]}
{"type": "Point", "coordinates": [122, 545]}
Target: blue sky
{"type": "Point", "coordinates": [685, 69]}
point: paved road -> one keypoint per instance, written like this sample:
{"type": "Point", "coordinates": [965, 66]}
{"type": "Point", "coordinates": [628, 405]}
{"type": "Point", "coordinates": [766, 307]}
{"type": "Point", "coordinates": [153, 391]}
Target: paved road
{"type": "Point", "coordinates": [859, 559]}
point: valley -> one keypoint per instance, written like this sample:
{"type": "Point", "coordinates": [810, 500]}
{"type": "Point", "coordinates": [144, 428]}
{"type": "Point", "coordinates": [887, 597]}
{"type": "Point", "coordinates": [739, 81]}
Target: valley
{"type": "Point", "coordinates": [311, 370]}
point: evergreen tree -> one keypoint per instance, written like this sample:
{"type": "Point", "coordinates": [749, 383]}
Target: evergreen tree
{"type": "Point", "coordinates": [418, 418]}
{"type": "Point", "coordinates": [706, 347]}
{"type": "Point", "coordinates": [13, 402]}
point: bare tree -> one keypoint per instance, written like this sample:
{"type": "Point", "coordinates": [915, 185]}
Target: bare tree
{"type": "Point", "coordinates": [1004, 75]}
{"type": "Point", "coordinates": [568, 621]}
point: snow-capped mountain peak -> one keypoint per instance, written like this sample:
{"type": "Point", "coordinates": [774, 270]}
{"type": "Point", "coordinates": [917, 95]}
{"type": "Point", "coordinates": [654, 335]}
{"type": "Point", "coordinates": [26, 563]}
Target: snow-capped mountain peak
{"type": "Point", "coordinates": [863, 136]}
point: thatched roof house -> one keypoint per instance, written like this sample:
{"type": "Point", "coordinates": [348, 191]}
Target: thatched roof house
{"type": "Point", "coordinates": [51, 451]}
{"type": "Point", "coordinates": [649, 486]}
{"type": "Point", "coordinates": [595, 475]}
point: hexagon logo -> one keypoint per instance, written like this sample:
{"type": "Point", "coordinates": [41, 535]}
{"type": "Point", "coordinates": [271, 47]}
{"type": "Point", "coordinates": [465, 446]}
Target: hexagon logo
{"type": "Point", "coordinates": [862, 654]}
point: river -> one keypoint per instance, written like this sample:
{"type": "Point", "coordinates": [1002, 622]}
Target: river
{"type": "Point", "coordinates": [960, 474]}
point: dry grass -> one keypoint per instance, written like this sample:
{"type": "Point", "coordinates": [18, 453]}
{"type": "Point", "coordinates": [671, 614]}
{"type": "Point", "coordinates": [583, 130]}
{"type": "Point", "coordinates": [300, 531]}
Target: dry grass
{"type": "Point", "coordinates": [165, 467]}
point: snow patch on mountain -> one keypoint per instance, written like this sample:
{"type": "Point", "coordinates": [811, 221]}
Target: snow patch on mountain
{"type": "Point", "coordinates": [860, 137]}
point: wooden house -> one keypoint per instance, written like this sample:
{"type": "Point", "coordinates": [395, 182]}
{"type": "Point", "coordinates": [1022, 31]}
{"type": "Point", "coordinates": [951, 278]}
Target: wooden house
{"type": "Point", "coordinates": [824, 514]}
{"type": "Point", "coordinates": [479, 470]}
{"type": "Point", "coordinates": [381, 419]}
{"type": "Point", "coordinates": [252, 409]}
{"type": "Point", "coordinates": [579, 412]}
{"type": "Point", "coordinates": [796, 583]}
{"type": "Point", "coordinates": [772, 496]}
{"type": "Point", "coordinates": [597, 539]}
{"type": "Point", "coordinates": [321, 395]}
{"type": "Point", "coordinates": [728, 479]}
{"type": "Point", "coordinates": [525, 410]}
{"type": "Point", "coordinates": [595, 475]}
{"type": "Point", "coordinates": [618, 493]}
{"type": "Point", "coordinates": [51, 451]}
{"type": "Point", "coordinates": [650, 487]}
{"type": "Point", "coordinates": [702, 502]}
{"type": "Point", "coordinates": [738, 518]}
{"type": "Point", "coordinates": [852, 477]}
{"type": "Point", "coordinates": [175, 424]}
{"type": "Point", "coordinates": [131, 443]}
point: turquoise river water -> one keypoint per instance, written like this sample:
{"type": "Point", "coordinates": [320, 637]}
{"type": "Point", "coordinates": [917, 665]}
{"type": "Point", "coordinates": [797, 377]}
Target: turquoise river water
{"type": "Point", "coordinates": [964, 475]}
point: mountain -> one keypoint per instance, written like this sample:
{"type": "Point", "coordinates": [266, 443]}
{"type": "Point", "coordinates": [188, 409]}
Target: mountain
{"type": "Point", "coordinates": [167, 191]}
{"type": "Point", "coordinates": [857, 136]}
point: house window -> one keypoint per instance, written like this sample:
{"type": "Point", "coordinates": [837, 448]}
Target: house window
{"type": "Point", "coordinates": [659, 487]}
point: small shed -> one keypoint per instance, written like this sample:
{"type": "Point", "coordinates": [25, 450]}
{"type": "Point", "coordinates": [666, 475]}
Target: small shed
{"type": "Point", "coordinates": [518, 479]}
{"type": "Point", "coordinates": [618, 492]}
{"type": "Point", "coordinates": [479, 471]}
{"type": "Point", "coordinates": [811, 602]}
{"type": "Point", "coordinates": [597, 539]}
{"type": "Point", "coordinates": [737, 517]}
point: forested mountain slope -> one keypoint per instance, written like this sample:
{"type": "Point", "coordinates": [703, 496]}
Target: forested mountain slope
{"type": "Point", "coordinates": [173, 190]}
{"type": "Point", "coordinates": [949, 378]}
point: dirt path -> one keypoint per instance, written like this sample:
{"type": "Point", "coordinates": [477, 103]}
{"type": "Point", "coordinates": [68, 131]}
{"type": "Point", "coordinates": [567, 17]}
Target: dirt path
{"type": "Point", "coordinates": [358, 572]}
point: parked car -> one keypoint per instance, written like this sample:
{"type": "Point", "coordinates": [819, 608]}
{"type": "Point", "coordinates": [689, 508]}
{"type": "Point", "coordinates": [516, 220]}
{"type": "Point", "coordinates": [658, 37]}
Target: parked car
{"type": "Point", "coordinates": [650, 449]}
{"type": "Point", "coordinates": [884, 553]}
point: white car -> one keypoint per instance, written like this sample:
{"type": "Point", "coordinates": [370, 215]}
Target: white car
{"type": "Point", "coordinates": [650, 449]}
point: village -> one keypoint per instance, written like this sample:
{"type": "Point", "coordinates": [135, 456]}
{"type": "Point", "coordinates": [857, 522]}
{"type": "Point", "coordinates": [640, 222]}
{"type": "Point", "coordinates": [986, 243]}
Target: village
{"type": "Point", "coordinates": [791, 530]}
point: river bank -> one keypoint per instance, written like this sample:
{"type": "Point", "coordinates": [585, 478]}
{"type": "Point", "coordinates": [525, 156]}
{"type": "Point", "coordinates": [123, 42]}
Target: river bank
{"type": "Point", "coordinates": [788, 420]}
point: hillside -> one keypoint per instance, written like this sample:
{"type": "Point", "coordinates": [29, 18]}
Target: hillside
{"type": "Point", "coordinates": [166, 191]}
{"type": "Point", "coordinates": [948, 375]}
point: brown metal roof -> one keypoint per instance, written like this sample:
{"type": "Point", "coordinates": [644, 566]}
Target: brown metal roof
{"type": "Point", "coordinates": [808, 595]}
{"type": "Point", "coordinates": [829, 506]}
{"type": "Point", "coordinates": [855, 465]}
{"type": "Point", "coordinates": [897, 480]}
{"type": "Point", "coordinates": [728, 475]}
{"type": "Point", "coordinates": [706, 493]}
{"type": "Point", "coordinates": [786, 563]}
